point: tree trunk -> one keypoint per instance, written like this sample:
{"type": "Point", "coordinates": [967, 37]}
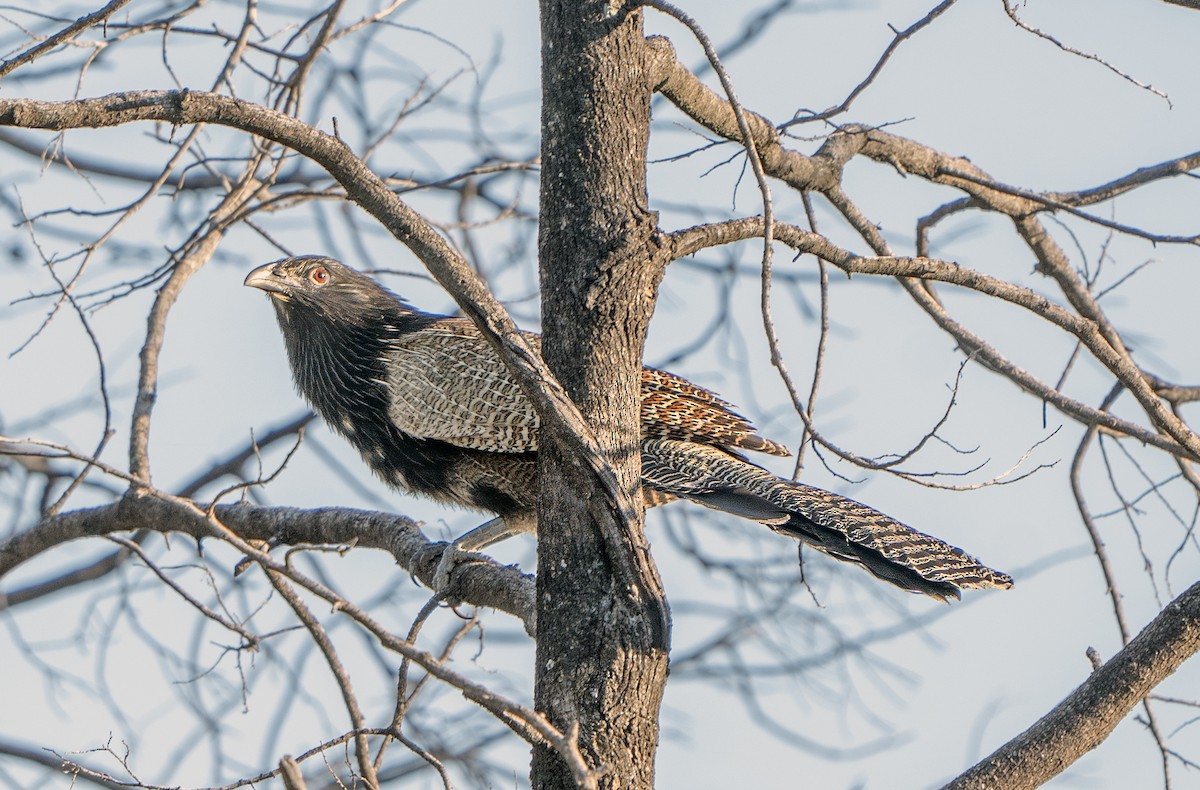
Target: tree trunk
{"type": "Point", "coordinates": [602, 623]}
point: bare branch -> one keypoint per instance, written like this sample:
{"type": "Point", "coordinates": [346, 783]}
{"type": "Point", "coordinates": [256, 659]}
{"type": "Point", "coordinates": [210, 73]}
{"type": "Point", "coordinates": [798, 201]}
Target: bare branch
{"type": "Point", "coordinates": [183, 269]}
{"type": "Point", "coordinates": [1086, 717]}
{"type": "Point", "coordinates": [1012, 14]}
{"type": "Point", "coordinates": [62, 36]}
{"type": "Point", "coordinates": [482, 584]}
{"type": "Point", "coordinates": [898, 38]}
{"type": "Point", "coordinates": [319, 635]}
{"type": "Point", "coordinates": [692, 239]}
{"type": "Point", "coordinates": [44, 757]}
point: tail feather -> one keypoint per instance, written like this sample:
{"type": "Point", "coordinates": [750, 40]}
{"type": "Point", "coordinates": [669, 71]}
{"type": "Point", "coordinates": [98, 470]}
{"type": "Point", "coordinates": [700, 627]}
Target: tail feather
{"type": "Point", "coordinates": [831, 523]}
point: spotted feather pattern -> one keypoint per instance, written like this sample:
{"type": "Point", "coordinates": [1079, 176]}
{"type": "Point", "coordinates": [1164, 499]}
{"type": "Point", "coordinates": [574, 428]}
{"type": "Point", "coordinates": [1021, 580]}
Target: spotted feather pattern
{"type": "Point", "coordinates": [447, 383]}
{"type": "Point", "coordinates": [842, 527]}
{"type": "Point", "coordinates": [676, 408]}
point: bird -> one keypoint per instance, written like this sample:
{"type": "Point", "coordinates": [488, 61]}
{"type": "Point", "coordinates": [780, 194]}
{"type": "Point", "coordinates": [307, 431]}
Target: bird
{"type": "Point", "coordinates": [433, 411]}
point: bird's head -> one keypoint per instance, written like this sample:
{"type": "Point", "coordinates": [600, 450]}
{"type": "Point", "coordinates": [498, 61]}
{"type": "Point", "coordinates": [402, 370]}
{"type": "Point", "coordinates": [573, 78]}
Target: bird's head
{"type": "Point", "coordinates": [316, 284]}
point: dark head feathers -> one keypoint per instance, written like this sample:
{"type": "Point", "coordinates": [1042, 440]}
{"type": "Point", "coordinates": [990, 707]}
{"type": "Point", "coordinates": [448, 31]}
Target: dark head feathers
{"type": "Point", "coordinates": [314, 282]}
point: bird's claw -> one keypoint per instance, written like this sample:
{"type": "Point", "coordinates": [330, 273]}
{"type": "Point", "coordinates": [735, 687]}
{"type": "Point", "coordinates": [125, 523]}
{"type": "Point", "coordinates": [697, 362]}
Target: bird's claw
{"type": "Point", "coordinates": [452, 555]}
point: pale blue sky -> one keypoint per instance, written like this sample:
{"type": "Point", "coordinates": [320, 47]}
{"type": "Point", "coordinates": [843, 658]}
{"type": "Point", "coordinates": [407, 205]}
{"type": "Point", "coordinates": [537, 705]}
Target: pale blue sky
{"type": "Point", "coordinates": [973, 675]}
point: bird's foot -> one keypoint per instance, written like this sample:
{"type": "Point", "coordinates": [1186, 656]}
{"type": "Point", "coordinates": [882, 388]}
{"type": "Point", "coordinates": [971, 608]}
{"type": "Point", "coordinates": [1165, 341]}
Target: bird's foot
{"type": "Point", "coordinates": [452, 556]}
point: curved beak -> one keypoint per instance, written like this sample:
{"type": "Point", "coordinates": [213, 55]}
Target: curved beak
{"type": "Point", "coordinates": [265, 278]}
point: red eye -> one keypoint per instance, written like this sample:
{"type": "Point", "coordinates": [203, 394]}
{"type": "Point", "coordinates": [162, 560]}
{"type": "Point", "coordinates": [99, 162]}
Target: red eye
{"type": "Point", "coordinates": [319, 275]}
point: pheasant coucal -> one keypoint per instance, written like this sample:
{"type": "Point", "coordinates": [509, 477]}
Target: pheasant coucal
{"type": "Point", "coordinates": [432, 409]}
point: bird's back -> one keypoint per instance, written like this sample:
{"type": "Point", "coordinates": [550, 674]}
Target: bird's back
{"type": "Point", "coordinates": [446, 381]}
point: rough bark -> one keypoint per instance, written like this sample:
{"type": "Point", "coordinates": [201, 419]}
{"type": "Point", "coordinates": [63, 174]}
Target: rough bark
{"type": "Point", "coordinates": [1084, 719]}
{"type": "Point", "coordinates": [603, 628]}
{"type": "Point", "coordinates": [479, 583]}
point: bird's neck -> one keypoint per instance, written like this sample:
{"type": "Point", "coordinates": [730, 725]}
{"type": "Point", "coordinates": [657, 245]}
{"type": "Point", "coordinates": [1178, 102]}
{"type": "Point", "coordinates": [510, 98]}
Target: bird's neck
{"type": "Point", "coordinates": [340, 366]}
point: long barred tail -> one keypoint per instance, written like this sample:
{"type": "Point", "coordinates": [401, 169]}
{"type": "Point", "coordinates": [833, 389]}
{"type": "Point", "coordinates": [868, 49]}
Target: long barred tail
{"type": "Point", "coordinates": [840, 527]}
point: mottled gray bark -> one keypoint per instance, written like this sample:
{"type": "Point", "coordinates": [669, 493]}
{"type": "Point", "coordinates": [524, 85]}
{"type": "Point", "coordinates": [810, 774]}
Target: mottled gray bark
{"type": "Point", "coordinates": [480, 583]}
{"type": "Point", "coordinates": [603, 627]}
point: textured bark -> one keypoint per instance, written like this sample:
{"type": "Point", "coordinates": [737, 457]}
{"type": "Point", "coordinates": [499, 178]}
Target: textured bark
{"type": "Point", "coordinates": [478, 583]}
{"type": "Point", "coordinates": [1084, 719]}
{"type": "Point", "coordinates": [603, 628]}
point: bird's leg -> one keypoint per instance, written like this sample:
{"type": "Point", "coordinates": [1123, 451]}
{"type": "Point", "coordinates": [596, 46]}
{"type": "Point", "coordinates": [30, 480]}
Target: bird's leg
{"type": "Point", "coordinates": [490, 533]}
{"type": "Point", "coordinates": [467, 547]}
